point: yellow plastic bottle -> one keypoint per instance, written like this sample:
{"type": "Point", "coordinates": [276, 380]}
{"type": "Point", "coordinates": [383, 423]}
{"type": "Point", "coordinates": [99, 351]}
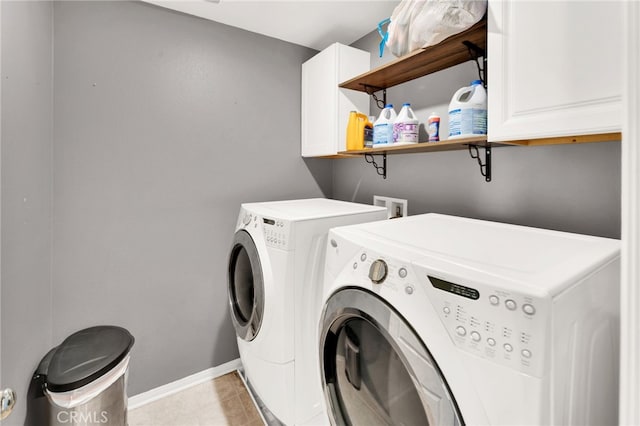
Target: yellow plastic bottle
{"type": "Point", "coordinates": [355, 130]}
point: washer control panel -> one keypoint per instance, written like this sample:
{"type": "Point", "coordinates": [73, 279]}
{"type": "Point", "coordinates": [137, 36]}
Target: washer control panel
{"type": "Point", "coordinates": [504, 326]}
{"type": "Point", "coordinates": [508, 327]}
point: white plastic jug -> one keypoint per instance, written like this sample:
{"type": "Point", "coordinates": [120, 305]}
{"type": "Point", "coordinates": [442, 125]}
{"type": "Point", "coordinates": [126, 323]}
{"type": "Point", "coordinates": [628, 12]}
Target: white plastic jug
{"type": "Point", "coordinates": [468, 112]}
{"type": "Point", "coordinates": [383, 127]}
{"type": "Point", "coordinates": [405, 126]}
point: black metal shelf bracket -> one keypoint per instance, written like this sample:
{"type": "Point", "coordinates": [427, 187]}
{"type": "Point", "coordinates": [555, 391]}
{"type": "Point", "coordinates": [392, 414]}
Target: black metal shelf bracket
{"type": "Point", "coordinates": [476, 52]}
{"type": "Point", "coordinates": [485, 169]}
{"type": "Point", "coordinates": [380, 170]}
{"type": "Point", "coordinates": [371, 91]}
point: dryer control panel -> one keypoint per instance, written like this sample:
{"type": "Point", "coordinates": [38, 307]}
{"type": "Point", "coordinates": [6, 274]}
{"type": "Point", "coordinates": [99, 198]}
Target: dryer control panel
{"type": "Point", "coordinates": [276, 232]}
{"type": "Point", "coordinates": [505, 326]}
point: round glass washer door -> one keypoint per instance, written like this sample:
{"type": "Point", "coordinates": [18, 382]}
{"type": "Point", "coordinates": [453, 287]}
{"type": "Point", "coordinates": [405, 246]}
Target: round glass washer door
{"type": "Point", "coordinates": [245, 286]}
{"type": "Point", "coordinates": [376, 370]}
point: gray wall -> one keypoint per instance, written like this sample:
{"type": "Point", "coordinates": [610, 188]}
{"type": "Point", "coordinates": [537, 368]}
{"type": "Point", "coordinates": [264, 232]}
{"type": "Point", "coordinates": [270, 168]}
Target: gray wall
{"type": "Point", "coordinates": [570, 188]}
{"type": "Point", "coordinates": [26, 193]}
{"type": "Point", "coordinates": [164, 124]}
{"type": "Point", "coordinates": [153, 126]}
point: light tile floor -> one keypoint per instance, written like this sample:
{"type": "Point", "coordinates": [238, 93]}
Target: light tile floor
{"type": "Point", "coordinates": [220, 402]}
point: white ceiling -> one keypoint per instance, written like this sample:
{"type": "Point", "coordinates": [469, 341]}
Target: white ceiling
{"type": "Point", "coordinates": [315, 24]}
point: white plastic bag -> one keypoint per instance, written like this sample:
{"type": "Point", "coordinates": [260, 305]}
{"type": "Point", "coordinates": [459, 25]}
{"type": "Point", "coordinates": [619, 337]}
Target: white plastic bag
{"type": "Point", "coordinates": [84, 394]}
{"type": "Point", "coordinates": [421, 23]}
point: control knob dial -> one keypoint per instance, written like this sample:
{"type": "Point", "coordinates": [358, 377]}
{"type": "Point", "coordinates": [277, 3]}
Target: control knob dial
{"type": "Point", "coordinates": [378, 271]}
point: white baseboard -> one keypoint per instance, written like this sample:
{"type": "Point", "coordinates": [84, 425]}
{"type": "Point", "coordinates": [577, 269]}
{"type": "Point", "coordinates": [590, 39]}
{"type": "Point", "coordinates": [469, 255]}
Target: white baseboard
{"type": "Point", "coordinates": [182, 384]}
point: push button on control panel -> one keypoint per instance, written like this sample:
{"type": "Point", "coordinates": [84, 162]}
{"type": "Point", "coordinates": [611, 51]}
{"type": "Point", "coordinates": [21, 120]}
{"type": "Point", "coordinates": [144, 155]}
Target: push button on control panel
{"type": "Point", "coordinates": [494, 300]}
{"type": "Point", "coordinates": [511, 304]}
{"type": "Point", "coordinates": [461, 331]}
{"type": "Point", "coordinates": [528, 309]}
{"type": "Point", "coordinates": [402, 272]}
{"type": "Point", "coordinates": [475, 336]}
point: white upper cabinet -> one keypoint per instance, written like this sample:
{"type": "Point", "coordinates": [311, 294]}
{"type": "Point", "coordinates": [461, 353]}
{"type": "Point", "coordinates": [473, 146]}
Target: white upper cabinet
{"type": "Point", "coordinates": [325, 106]}
{"type": "Point", "coordinates": [554, 68]}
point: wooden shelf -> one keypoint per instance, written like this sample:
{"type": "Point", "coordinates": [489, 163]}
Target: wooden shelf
{"type": "Point", "coordinates": [475, 145]}
{"type": "Point", "coordinates": [425, 61]}
{"type": "Point", "coordinates": [480, 141]}
{"type": "Point", "coordinates": [449, 145]}
{"type": "Point", "coordinates": [568, 140]}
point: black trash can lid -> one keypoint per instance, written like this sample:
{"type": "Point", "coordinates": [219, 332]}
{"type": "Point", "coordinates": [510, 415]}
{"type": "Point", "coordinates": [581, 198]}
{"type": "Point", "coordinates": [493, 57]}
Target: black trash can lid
{"type": "Point", "coordinates": [87, 355]}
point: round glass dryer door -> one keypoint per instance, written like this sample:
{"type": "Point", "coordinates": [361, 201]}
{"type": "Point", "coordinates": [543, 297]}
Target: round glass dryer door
{"type": "Point", "coordinates": [245, 286]}
{"type": "Point", "coordinates": [376, 370]}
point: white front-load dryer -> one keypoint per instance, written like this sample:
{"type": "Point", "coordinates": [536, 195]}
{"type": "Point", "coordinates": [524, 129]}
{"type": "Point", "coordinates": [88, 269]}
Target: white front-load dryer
{"type": "Point", "coordinates": [441, 320]}
{"type": "Point", "coordinates": [274, 287]}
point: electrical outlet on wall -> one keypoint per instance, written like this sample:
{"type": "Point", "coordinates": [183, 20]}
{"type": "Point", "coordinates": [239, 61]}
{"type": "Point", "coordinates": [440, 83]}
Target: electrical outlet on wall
{"type": "Point", "coordinates": [396, 207]}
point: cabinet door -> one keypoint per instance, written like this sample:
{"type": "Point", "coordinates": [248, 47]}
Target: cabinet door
{"type": "Point", "coordinates": [325, 107]}
{"type": "Point", "coordinates": [554, 68]}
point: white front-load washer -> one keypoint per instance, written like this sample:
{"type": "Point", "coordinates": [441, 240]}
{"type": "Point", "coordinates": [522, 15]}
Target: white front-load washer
{"type": "Point", "coordinates": [274, 287]}
{"type": "Point", "coordinates": [442, 320]}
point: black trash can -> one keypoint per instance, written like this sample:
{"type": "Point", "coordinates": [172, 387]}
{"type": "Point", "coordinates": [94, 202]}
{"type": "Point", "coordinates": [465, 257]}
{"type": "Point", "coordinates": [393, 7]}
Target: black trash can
{"type": "Point", "coordinates": [85, 378]}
